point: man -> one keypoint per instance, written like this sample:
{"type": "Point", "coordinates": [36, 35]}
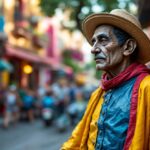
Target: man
{"type": "Point", "coordinates": [118, 114]}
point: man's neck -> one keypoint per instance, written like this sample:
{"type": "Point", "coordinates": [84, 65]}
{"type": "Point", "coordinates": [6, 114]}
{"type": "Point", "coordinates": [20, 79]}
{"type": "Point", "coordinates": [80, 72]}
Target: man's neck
{"type": "Point", "coordinates": [117, 70]}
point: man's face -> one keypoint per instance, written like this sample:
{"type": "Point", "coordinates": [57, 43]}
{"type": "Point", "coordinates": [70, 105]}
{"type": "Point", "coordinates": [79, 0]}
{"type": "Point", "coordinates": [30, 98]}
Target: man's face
{"type": "Point", "coordinates": [106, 50]}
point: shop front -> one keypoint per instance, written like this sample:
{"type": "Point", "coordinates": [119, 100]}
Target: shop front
{"type": "Point", "coordinates": [27, 68]}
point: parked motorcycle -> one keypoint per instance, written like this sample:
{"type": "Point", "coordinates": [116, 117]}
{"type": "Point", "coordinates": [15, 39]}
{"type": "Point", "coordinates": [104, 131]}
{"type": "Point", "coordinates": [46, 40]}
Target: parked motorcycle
{"type": "Point", "coordinates": [48, 108]}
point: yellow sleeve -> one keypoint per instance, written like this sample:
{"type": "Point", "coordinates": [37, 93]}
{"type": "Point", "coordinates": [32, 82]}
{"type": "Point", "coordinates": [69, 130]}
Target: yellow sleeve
{"type": "Point", "coordinates": [141, 138]}
{"type": "Point", "coordinates": [73, 142]}
{"type": "Point", "coordinates": [80, 133]}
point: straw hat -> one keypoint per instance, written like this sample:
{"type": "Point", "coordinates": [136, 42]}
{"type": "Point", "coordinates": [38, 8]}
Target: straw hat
{"type": "Point", "coordinates": [121, 19]}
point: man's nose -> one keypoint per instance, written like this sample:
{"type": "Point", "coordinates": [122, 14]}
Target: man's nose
{"type": "Point", "coordinates": [95, 50]}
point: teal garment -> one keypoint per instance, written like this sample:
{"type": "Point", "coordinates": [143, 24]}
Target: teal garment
{"type": "Point", "coordinates": [2, 23]}
{"type": "Point", "coordinates": [114, 117]}
{"type": "Point", "coordinates": [5, 66]}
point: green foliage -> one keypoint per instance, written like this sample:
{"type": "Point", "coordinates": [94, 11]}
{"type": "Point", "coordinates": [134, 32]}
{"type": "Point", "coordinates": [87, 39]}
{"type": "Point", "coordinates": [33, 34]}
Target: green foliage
{"type": "Point", "coordinates": [48, 6]}
{"type": "Point", "coordinates": [68, 60]}
{"type": "Point", "coordinates": [81, 8]}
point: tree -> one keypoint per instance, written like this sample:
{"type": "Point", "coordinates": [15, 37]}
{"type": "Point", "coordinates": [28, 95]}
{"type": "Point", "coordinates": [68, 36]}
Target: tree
{"type": "Point", "coordinates": [79, 9]}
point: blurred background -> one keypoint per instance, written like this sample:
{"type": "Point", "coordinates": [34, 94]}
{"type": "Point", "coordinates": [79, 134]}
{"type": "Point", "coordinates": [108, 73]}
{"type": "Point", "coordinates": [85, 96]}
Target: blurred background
{"type": "Point", "coordinates": [46, 70]}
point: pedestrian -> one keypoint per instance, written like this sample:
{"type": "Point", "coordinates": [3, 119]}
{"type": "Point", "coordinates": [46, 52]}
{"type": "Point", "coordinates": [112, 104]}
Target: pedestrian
{"type": "Point", "coordinates": [60, 91]}
{"type": "Point", "coordinates": [77, 108]}
{"type": "Point", "coordinates": [2, 99]}
{"type": "Point", "coordinates": [48, 100]}
{"type": "Point", "coordinates": [11, 113]}
{"type": "Point", "coordinates": [118, 113]}
{"type": "Point", "coordinates": [29, 104]}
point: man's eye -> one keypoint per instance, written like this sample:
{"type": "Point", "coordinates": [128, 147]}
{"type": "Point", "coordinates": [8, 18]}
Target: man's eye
{"type": "Point", "coordinates": [102, 39]}
{"type": "Point", "coordinates": [93, 41]}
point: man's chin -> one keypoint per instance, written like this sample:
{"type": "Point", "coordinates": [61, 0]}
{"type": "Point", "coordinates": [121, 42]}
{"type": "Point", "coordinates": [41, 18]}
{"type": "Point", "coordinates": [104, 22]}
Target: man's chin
{"type": "Point", "coordinates": [100, 67]}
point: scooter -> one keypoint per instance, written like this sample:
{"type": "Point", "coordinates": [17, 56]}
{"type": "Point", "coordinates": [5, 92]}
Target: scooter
{"type": "Point", "coordinates": [47, 111]}
{"type": "Point", "coordinates": [47, 116]}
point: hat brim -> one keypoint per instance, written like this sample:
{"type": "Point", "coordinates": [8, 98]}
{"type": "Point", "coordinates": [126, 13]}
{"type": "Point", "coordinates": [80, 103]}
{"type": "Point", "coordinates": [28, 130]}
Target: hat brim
{"type": "Point", "coordinates": [90, 23]}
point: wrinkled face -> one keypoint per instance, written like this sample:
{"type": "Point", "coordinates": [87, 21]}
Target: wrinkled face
{"type": "Point", "coordinates": [106, 50]}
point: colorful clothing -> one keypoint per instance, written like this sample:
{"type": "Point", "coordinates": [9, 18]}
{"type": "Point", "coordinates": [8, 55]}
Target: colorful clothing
{"type": "Point", "coordinates": [138, 134]}
{"type": "Point", "coordinates": [114, 118]}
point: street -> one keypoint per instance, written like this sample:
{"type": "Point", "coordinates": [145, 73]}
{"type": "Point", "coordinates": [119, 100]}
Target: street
{"type": "Point", "coordinates": [32, 136]}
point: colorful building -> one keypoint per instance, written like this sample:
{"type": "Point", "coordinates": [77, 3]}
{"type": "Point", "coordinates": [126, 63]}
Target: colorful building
{"type": "Point", "coordinates": [31, 48]}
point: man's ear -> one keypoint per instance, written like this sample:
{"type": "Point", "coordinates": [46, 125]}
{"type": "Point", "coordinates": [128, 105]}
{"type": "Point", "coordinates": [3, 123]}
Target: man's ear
{"type": "Point", "coordinates": [129, 47]}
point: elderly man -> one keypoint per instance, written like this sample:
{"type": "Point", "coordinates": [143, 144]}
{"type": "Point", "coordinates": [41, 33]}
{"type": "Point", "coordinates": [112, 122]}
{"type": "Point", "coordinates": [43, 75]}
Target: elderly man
{"type": "Point", "coordinates": [118, 114]}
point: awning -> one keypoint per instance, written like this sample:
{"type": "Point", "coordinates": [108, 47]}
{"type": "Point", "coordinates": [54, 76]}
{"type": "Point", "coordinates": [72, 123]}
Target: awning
{"type": "Point", "coordinates": [30, 56]}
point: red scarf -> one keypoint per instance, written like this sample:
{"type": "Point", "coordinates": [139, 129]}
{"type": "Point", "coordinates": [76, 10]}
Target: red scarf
{"type": "Point", "coordinates": [133, 70]}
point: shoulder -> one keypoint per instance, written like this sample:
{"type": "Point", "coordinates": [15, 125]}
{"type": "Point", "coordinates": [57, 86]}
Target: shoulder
{"type": "Point", "coordinates": [144, 92]}
{"type": "Point", "coordinates": [144, 89]}
{"type": "Point", "coordinates": [145, 83]}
